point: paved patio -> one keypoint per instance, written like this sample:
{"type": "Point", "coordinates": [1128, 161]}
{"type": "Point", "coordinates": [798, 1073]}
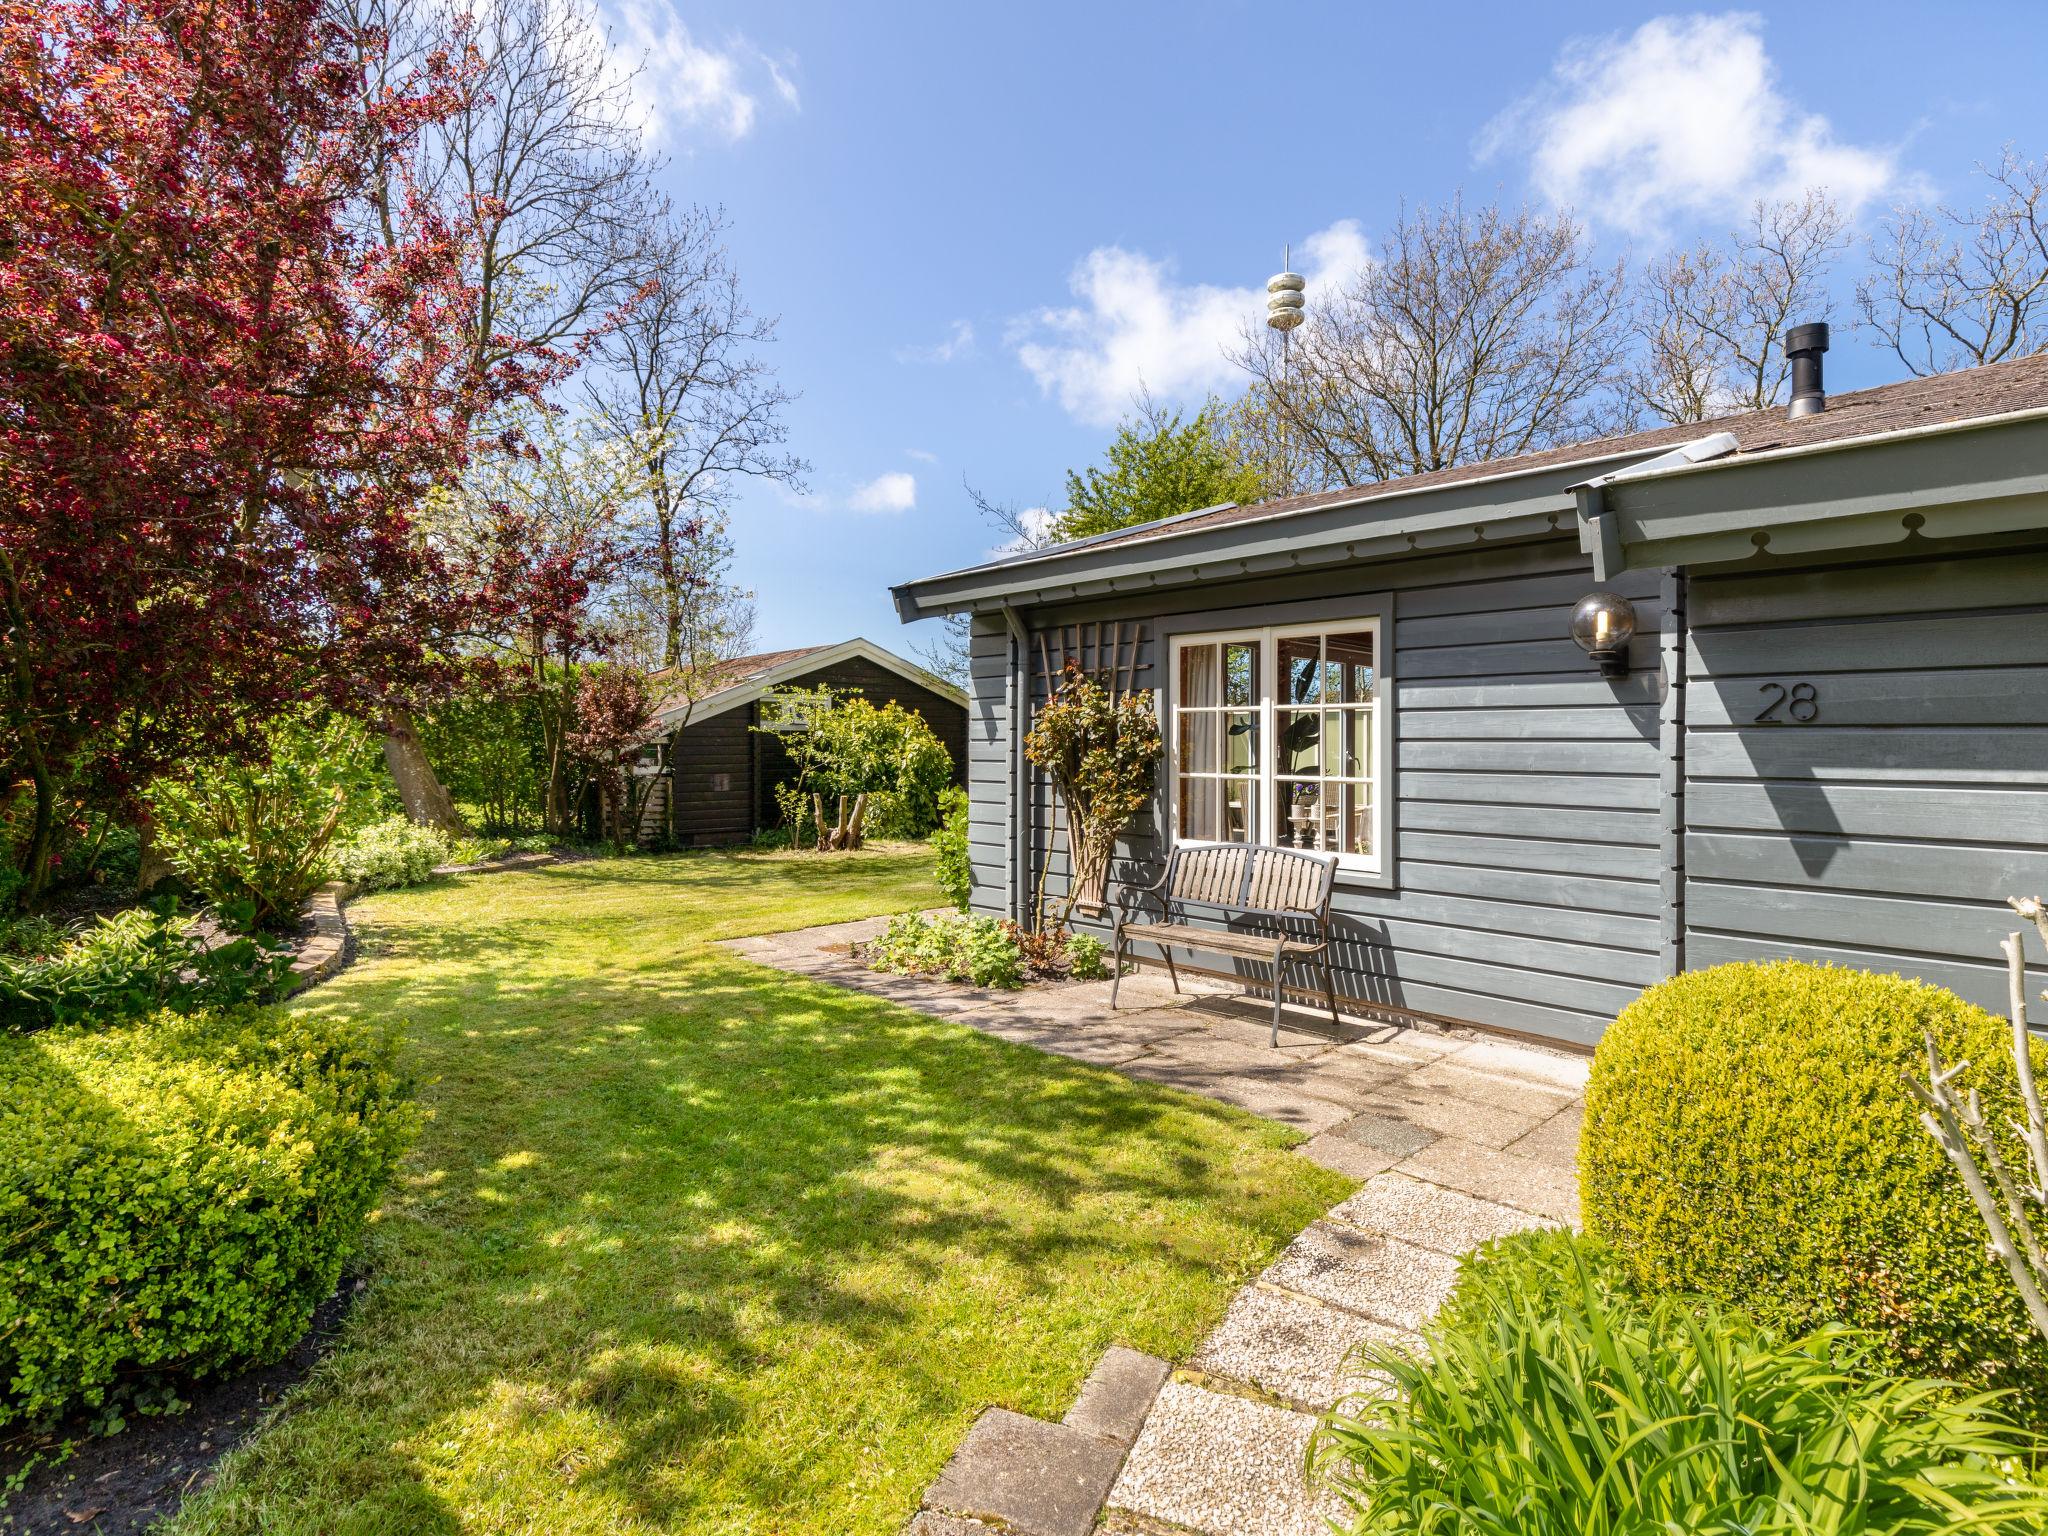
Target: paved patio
{"type": "Point", "coordinates": [1457, 1136]}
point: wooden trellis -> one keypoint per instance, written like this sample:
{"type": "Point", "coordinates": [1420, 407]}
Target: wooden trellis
{"type": "Point", "coordinates": [1111, 653]}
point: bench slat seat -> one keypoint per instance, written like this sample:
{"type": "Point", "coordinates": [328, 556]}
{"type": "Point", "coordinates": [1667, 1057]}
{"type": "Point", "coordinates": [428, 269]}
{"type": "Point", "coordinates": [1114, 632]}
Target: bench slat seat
{"type": "Point", "coordinates": [1223, 941]}
{"type": "Point", "coordinates": [1283, 891]}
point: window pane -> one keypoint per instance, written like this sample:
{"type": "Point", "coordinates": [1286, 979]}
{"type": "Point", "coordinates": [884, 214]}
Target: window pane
{"type": "Point", "coordinates": [1201, 803]}
{"type": "Point", "coordinates": [1200, 741]}
{"type": "Point", "coordinates": [1357, 736]}
{"type": "Point", "coordinates": [1198, 681]}
{"type": "Point", "coordinates": [1301, 743]}
{"type": "Point", "coordinates": [1240, 810]}
{"type": "Point", "coordinates": [1241, 744]}
{"type": "Point", "coordinates": [1301, 813]}
{"type": "Point", "coordinates": [1356, 827]}
{"type": "Point", "coordinates": [1299, 664]}
{"type": "Point", "coordinates": [1349, 670]}
{"type": "Point", "coordinates": [1241, 674]}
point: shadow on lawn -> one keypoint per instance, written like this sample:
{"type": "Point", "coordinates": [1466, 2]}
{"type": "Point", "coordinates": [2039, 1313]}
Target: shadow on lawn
{"type": "Point", "coordinates": [644, 1189]}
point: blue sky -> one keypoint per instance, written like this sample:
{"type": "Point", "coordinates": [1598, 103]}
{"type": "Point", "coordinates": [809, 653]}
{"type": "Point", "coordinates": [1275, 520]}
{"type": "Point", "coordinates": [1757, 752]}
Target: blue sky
{"type": "Point", "coordinates": [982, 225]}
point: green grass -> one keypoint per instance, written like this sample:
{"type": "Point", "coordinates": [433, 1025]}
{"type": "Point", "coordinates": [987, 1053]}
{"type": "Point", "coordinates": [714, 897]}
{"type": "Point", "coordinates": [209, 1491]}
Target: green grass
{"type": "Point", "coordinates": [691, 1245]}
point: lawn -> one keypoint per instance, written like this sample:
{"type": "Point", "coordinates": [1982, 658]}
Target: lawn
{"type": "Point", "coordinates": [691, 1245]}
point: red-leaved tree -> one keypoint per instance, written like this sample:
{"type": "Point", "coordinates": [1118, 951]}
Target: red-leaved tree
{"type": "Point", "coordinates": [222, 402]}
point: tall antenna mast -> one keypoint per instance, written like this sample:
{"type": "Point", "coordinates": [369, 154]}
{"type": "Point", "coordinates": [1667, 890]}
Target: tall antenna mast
{"type": "Point", "coordinates": [1283, 314]}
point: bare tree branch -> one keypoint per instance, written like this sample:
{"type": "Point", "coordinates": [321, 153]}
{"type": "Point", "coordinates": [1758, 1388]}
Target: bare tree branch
{"type": "Point", "coordinates": [1476, 335]}
{"type": "Point", "coordinates": [1711, 320]}
{"type": "Point", "coordinates": [1953, 288]}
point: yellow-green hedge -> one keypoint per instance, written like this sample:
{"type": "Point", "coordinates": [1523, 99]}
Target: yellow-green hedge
{"type": "Point", "coordinates": [177, 1194]}
{"type": "Point", "coordinates": [1748, 1138]}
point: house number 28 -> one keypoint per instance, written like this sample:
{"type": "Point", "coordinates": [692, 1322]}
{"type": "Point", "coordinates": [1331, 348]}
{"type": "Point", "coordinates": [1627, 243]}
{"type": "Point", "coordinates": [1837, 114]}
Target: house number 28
{"type": "Point", "coordinates": [1796, 702]}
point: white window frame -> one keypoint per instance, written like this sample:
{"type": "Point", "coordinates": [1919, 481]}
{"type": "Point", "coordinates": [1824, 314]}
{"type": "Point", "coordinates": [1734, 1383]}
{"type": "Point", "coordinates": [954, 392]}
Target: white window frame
{"type": "Point", "coordinates": [1268, 709]}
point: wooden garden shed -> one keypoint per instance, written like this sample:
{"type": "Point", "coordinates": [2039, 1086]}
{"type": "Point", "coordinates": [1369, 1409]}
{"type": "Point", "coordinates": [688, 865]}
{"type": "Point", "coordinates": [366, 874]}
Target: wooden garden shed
{"type": "Point", "coordinates": [716, 774]}
{"type": "Point", "coordinates": [1826, 735]}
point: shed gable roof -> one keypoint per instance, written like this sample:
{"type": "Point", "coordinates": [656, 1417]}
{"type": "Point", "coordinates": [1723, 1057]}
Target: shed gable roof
{"type": "Point", "coordinates": [746, 678]}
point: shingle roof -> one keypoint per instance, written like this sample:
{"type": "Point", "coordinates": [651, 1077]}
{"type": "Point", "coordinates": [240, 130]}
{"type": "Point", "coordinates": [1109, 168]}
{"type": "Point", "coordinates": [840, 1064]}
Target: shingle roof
{"type": "Point", "coordinates": [1993, 390]}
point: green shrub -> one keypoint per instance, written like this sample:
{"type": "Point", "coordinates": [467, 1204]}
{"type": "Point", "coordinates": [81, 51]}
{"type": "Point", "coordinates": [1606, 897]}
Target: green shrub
{"type": "Point", "coordinates": [131, 963]}
{"type": "Point", "coordinates": [981, 950]}
{"type": "Point", "coordinates": [177, 1195]}
{"type": "Point", "coordinates": [392, 852]}
{"type": "Point", "coordinates": [1748, 1138]}
{"type": "Point", "coordinates": [949, 843]}
{"type": "Point", "coordinates": [257, 833]}
{"type": "Point", "coordinates": [1087, 957]}
{"type": "Point", "coordinates": [1547, 1403]}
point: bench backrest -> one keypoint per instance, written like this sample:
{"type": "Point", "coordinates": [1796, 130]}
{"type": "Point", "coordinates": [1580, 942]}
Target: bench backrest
{"type": "Point", "coordinates": [1277, 882]}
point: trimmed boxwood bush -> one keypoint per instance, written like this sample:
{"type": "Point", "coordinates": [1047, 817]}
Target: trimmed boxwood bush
{"type": "Point", "coordinates": [1748, 1138]}
{"type": "Point", "coordinates": [177, 1194]}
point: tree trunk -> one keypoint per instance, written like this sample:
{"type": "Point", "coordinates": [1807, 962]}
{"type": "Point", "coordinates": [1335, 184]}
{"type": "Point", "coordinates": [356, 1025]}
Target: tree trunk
{"type": "Point", "coordinates": [419, 787]}
{"type": "Point", "coordinates": [855, 827]}
{"type": "Point", "coordinates": [819, 827]}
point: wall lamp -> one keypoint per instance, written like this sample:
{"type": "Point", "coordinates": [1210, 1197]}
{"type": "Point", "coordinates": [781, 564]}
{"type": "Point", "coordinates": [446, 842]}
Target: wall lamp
{"type": "Point", "coordinates": [1603, 624]}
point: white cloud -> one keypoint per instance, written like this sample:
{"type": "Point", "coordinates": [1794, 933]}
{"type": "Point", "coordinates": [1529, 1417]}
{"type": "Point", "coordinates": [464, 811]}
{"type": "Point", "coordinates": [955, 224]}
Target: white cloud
{"type": "Point", "coordinates": [922, 455]}
{"type": "Point", "coordinates": [959, 343]}
{"type": "Point", "coordinates": [1036, 525]}
{"type": "Point", "coordinates": [895, 491]}
{"type": "Point", "coordinates": [682, 83]}
{"type": "Point", "coordinates": [1683, 116]}
{"type": "Point", "coordinates": [1135, 327]}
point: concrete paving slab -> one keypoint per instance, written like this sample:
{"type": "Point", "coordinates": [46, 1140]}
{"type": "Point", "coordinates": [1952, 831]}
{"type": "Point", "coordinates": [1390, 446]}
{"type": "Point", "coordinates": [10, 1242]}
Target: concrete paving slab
{"type": "Point", "coordinates": [1385, 1132]}
{"type": "Point", "coordinates": [1273, 1101]}
{"type": "Point", "coordinates": [1378, 1277]}
{"type": "Point", "coordinates": [1339, 1155]}
{"type": "Point", "coordinates": [1429, 1215]}
{"type": "Point", "coordinates": [1294, 1347]}
{"type": "Point", "coordinates": [1494, 1089]}
{"type": "Point", "coordinates": [1223, 1466]}
{"type": "Point", "coordinates": [1033, 1478]}
{"type": "Point", "coordinates": [931, 1523]}
{"type": "Point", "coordinates": [1442, 1114]}
{"type": "Point", "coordinates": [1098, 1050]}
{"type": "Point", "coordinates": [1566, 1070]}
{"type": "Point", "coordinates": [1114, 1399]}
{"type": "Point", "coordinates": [1555, 1141]}
{"type": "Point", "coordinates": [1539, 1187]}
{"type": "Point", "coordinates": [1338, 1071]}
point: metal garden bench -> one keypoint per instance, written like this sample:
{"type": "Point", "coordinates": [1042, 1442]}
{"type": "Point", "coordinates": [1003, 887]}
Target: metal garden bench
{"type": "Point", "coordinates": [1283, 890]}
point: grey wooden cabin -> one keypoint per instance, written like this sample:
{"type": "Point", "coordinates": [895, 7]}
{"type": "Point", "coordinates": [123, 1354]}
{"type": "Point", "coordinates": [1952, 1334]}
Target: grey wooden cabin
{"type": "Point", "coordinates": [1830, 741]}
{"type": "Point", "coordinates": [716, 774]}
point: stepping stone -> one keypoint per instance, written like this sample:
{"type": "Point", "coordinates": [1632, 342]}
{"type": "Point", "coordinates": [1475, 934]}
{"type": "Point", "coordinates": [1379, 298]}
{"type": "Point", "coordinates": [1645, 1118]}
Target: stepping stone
{"type": "Point", "coordinates": [1116, 1395]}
{"type": "Point", "coordinates": [1541, 1188]}
{"type": "Point", "coordinates": [1223, 1466]}
{"type": "Point", "coordinates": [1376, 1277]}
{"type": "Point", "coordinates": [1429, 1215]}
{"type": "Point", "coordinates": [1293, 1347]}
{"type": "Point", "coordinates": [1026, 1476]}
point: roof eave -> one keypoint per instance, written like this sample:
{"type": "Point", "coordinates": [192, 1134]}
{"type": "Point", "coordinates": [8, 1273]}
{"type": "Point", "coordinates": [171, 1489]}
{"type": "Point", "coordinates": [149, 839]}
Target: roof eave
{"type": "Point", "coordinates": [1980, 475]}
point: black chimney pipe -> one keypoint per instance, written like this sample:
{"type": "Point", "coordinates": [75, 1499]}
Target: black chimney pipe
{"type": "Point", "coordinates": [1804, 345]}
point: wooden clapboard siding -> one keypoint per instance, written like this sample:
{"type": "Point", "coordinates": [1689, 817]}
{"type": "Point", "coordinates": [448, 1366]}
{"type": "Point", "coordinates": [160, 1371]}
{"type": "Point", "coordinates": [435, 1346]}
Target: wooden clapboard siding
{"type": "Point", "coordinates": [703, 756]}
{"type": "Point", "coordinates": [1886, 832]}
{"type": "Point", "coordinates": [1532, 831]}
